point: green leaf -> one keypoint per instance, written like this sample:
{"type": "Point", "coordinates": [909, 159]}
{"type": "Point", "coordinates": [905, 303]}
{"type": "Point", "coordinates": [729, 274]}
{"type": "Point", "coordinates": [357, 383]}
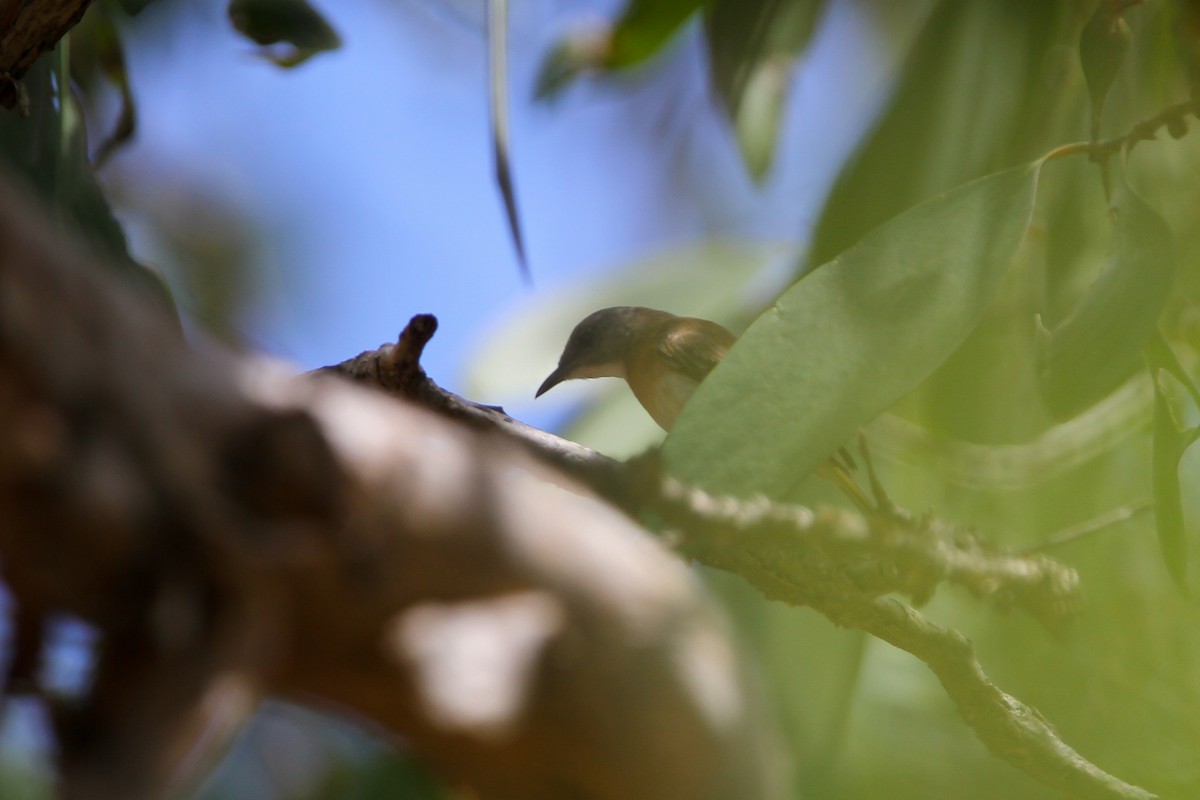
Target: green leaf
{"type": "Point", "coordinates": [759, 118]}
{"type": "Point", "coordinates": [1103, 44]}
{"type": "Point", "coordinates": [1099, 344]}
{"type": "Point", "coordinates": [752, 48]}
{"type": "Point", "coordinates": [48, 152]}
{"type": "Point", "coordinates": [645, 27]}
{"type": "Point", "coordinates": [851, 338]}
{"type": "Point", "coordinates": [742, 34]}
{"type": "Point", "coordinates": [973, 98]}
{"type": "Point", "coordinates": [289, 22]}
{"type": "Point", "coordinates": [98, 55]}
{"type": "Point", "coordinates": [1170, 443]}
{"type": "Point", "coordinates": [1186, 29]}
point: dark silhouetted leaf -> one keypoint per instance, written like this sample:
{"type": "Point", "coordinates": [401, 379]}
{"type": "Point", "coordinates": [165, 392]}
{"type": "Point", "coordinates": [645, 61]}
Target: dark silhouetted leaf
{"type": "Point", "coordinates": [1187, 41]}
{"type": "Point", "coordinates": [133, 7]}
{"type": "Point", "coordinates": [47, 151]}
{"type": "Point", "coordinates": [752, 47]}
{"type": "Point", "coordinates": [1100, 343]}
{"type": "Point", "coordinates": [498, 112]}
{"type": "Point", "coordinates": [850, 338]}
{"type": "Point", "coordinates": [97, 54]}
{"type": "Point", "coordinates": [643, 30]}
{"type": "Point", "coordinates": [288, 22]}
{"type": "Point", "coordinates": [1103, 44]}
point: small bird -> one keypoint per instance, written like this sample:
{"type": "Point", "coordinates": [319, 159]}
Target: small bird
{"type": "Point", "coordinates": [663, 358]}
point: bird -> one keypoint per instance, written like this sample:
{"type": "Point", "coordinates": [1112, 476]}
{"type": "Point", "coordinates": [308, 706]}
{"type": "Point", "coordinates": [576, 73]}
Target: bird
{"type": "Point", "coordinates": [663, 358]}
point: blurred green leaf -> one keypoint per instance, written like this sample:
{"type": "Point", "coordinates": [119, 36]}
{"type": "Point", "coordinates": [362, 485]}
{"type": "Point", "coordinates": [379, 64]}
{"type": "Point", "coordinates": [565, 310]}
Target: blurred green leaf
{"type": "Point", "coordinates": [1100, 342]}
{"type": "Point", "coordinates": [645, 27]}
{"type": "Point", "coordinates": [742, 34]}
{"type": "Point", "coordinates": [849, 339]}
{"type": "Point", "coordinates": [760, 115]}
{"type": "Point", "coordinates": [497, 22]}
{"type": "Point", "coordinates": [981, 91]}
{"type": "Point", "coordinates": [1103, 45]}
{"type": "Point", "coordinates": [1186, 28]}
{"type": "Point", "coordinates": [289, 22]}
{"type": "Point", "coordinates": [752, 47]}
{"type": "Point", "coordinates": [133, 7]}
{"type": "Point", "coordinates": [97, 54]}
{"type": "Point", "coordinates": [1170, 443]}
{"type": "Point", "coordinates": [383, 777]}
{"type": "Point", "coordinates": [48, 151]}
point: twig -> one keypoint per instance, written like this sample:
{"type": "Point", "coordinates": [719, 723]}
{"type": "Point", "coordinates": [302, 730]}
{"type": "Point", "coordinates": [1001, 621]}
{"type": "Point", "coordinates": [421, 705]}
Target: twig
{"type": "Point", "coordinates": [1172, 117]}
{"type": "Point", "coordinates": [1116, 516]}
{"type": "Point", "coordinates": [892, 552]}
{"type": "Point", "coordinates": [396, 369]}
{"type": "Point", "coordinates": [783, 553]}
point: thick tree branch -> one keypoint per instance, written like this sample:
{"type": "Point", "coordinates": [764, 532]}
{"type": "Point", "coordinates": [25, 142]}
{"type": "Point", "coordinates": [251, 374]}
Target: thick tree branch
{"type": "Point", "coordinates": [29, 28]}
{"type": "Point", "coordinates": [396, 369]}
{"type": "Point", "coordinates": [231, 529]}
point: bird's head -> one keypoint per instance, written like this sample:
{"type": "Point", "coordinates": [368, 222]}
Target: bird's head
{"type": "Point", "coordinates": [598, 346]}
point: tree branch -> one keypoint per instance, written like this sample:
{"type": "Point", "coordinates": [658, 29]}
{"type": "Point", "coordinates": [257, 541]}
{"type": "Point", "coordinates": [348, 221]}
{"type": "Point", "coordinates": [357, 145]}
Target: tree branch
{"type": "Point", "coordinates": [794, 556]}
{"type": "Point", "coordinates": [230, 529]}
{"type": "Point", "coordinates": [27, 30]}
{"type": "Point", "coordinates": [396, 369]}
{"type": "Point", "coordinates": [833, 560]}
{"type": "Point", "coordinates": [1173, 118]}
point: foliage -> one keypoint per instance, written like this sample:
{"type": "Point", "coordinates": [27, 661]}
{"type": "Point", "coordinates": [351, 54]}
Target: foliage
{"type": "Point", "coordinates": [1033, 416]}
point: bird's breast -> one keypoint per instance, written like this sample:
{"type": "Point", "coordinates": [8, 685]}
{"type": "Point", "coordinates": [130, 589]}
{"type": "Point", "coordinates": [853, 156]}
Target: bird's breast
{"type": "Point", "coordinates": [661, 390]}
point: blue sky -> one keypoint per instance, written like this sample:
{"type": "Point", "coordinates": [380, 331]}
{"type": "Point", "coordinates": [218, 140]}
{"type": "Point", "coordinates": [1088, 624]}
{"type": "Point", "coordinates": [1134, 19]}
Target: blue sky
{"type": "Point", "coordinates": [369, 174]}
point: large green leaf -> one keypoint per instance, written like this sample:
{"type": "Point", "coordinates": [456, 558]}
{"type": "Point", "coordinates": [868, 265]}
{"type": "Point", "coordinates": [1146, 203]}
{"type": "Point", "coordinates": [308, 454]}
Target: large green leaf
{"type": "Point", "coordinates": [1100, 342]}
{"type": "Point", "coordinates": [981, 91]}
{"type": "Point", "coordinates": [851, 338]}
{"type": "Point", "coordinates": [987, 85]}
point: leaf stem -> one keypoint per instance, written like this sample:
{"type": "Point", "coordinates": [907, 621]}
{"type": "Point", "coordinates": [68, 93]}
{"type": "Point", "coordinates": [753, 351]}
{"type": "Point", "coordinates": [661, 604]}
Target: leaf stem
{"type": "Point", "coordinates": [1143, 131]}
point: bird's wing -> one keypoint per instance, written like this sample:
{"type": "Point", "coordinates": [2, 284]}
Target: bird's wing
{"type": "Point", "coordinates": [694, 346]}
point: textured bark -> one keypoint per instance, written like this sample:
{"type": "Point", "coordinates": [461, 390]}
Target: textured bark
{"type": "Point", "coordinates": [231, 529]}
{"type": "Point", "coordinates": [29, 28]}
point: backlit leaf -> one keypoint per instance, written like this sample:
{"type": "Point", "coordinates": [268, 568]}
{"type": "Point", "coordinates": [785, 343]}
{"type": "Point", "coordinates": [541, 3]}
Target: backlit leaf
{"type": "Point", "coordinates": [1100, 342]}
{"type": "Point", "coordinates": [849, 339]}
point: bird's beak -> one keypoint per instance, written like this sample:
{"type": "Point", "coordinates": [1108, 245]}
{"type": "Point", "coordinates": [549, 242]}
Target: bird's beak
{"type": "Point", "coordinates": [558, 376]}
